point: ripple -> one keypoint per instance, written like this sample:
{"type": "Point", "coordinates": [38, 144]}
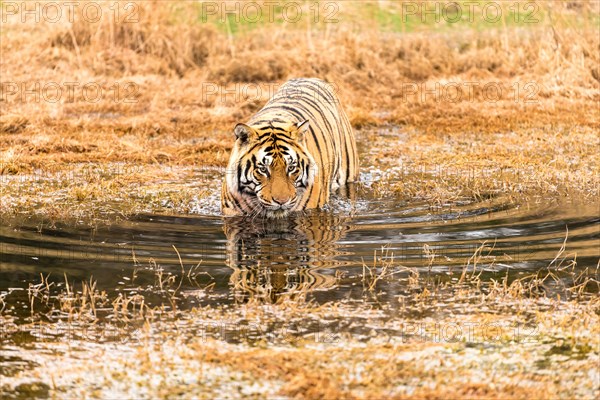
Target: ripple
{"type": "Point", "coordinates": [310, 251]}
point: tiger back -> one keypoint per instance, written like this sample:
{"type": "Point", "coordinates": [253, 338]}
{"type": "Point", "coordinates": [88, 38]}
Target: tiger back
{"type": "Point", "coordinates": [291, 154]}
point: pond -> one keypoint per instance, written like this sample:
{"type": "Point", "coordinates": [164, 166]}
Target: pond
{"type": "Point", "coordinates": [324, 254]}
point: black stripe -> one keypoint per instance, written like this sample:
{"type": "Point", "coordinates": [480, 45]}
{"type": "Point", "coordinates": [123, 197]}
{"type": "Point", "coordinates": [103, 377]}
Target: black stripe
{"type": "Point", "coordinates": [259, 143]}
{"type": "Point", "coordinates": [312, 99]}
{"type": "Point", "coordinates": [238, 206]}
{"type": "Point", "coordinates": [239, 174]}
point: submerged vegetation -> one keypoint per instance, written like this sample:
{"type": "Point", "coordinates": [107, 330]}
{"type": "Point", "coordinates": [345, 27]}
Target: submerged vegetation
{"type": "Point", "coordinates": [103, 120]}
{"type": "Point", "coordinates": [424, 342]}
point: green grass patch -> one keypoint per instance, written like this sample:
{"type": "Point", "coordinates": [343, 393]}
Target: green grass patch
{"type": "Point", "coordinates": [393, 16]}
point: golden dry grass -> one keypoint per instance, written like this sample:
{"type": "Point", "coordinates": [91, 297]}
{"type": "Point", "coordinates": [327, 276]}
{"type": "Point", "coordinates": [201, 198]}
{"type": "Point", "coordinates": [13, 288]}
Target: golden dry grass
{"type": "Point", "coordinates": [176, 70]}
{"type": "Point", "coordinates": [445, 149]}
{"type": "Point", "coordinates": [169, 56]}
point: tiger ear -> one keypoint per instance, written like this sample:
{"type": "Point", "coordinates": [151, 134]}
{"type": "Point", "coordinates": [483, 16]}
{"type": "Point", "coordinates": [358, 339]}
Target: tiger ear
{"type": "Point", "coordinates": [301, 129]}
{"type": "Point", "coordinates": [244, 132]}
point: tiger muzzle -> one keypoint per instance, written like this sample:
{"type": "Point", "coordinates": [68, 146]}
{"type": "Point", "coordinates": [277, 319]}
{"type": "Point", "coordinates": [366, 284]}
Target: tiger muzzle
{"type": "Point", "coordinates": [282, 189]}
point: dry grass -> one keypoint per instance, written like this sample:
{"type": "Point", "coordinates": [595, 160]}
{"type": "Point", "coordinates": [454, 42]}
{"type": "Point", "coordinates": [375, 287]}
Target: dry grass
{"type": "Point", "coordinates": [441, 149]}
{"type": "Point", "coordinates": [168, 56]}
{"type": "Point", "coordinates": [104, 192]}
{"type": "Point", "coordinates": [170, 59]}
{"type": "Point", "coordinates": [518, 164]}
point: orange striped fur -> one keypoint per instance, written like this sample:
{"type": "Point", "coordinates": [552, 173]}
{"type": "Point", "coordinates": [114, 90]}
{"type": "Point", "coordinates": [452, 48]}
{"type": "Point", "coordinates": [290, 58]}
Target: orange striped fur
{"type": "Point", "coordinates": [292, 154]}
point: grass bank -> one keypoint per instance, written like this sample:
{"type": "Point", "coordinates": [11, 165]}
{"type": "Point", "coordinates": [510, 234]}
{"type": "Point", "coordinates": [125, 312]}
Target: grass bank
{"type": "Point", "coordinates": [166, 87]}
{"type": "Point", "coordinates": [161, 84]}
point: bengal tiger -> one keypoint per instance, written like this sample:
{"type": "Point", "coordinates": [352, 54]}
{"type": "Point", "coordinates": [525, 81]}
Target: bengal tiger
{"type": "Point", "coordinates": [291, 154]}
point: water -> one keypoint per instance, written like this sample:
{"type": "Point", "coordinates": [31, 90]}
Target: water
{"type": "Point", "coordinates": [366, 258]}
{"type": "Point", "coordinates": [325, 255]}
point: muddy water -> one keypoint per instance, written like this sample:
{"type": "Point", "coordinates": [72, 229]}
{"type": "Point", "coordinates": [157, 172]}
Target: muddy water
{"type": "Point", "coordinates": [325, 255]}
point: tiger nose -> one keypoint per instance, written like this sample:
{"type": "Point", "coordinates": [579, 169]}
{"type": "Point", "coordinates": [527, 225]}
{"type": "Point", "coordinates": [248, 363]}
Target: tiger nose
{"type": "Point", "coordinates": [281, 199]}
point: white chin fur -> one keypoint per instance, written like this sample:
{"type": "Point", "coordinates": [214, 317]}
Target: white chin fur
{"type": "Point", "coordinates": [281, 213]}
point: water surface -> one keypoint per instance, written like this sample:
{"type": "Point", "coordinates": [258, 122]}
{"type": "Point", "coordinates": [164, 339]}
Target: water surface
{"type": "Point", "coordinates": [324, 254]}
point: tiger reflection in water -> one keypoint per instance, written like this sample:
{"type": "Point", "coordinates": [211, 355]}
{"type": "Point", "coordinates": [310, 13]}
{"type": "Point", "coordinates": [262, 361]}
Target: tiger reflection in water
{"type": "Point", "coordinates": [273, 259]}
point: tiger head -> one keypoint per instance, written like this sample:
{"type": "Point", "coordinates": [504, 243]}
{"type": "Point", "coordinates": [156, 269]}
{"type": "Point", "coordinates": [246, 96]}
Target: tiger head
{"type": "Point", "coordinates": [271, 169]}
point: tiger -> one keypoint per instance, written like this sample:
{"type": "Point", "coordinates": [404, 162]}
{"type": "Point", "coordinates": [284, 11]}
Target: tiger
{"type": "Point", "coordinates": [292, 154]}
